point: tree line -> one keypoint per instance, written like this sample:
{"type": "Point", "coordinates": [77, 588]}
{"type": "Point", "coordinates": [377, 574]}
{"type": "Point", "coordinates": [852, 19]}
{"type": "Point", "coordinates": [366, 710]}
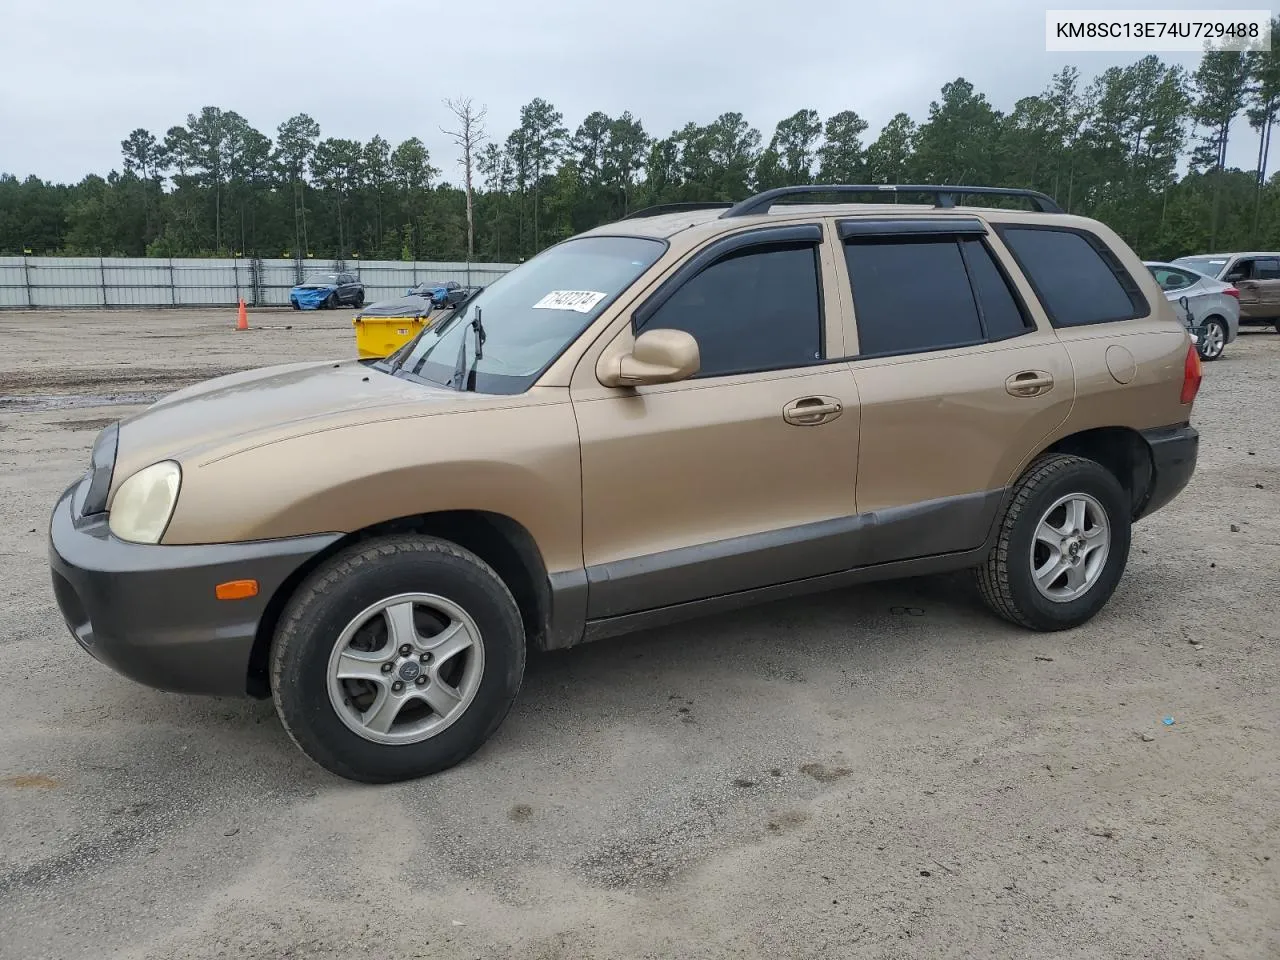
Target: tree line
{"type": "Point", "coordinates": [1141, 147]}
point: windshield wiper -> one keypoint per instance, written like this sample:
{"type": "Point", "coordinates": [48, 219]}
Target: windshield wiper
{"type": "Point", "coordinates": [464, 379]}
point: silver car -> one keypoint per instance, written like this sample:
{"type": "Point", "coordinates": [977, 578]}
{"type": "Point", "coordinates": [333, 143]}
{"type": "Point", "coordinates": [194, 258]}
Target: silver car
{"type": "Point", "coordinates": [1211, 310]}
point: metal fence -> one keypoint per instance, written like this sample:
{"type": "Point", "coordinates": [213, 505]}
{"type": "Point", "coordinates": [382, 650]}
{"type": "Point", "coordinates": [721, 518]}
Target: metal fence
{"type": "Point", "coordinates": [31, 283]}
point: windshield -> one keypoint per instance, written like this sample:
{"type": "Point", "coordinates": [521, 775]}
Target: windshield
{"type": "Point", "coordinates": [322, 278]}
{"type": "Point", "coordinates": [530, 314]}
{"type": "Point", "coordinates": [1209, 266]}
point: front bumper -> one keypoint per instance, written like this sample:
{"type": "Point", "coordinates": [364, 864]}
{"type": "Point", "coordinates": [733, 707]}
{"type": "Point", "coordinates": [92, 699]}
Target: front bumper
{"type": "Point", "coordinates": [1174, 451]}
{"type": "Point", "coordinates": [310, 299]}
{"type": "Point", "coordinates": [149, 612]}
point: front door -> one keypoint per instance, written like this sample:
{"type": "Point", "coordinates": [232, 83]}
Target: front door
{"type": "Point", "coordinates": [957, 384]}
{"type": "Point", "coordinates": [1244, 273]}
{"type": "Point", "coordinates": [743, 475]}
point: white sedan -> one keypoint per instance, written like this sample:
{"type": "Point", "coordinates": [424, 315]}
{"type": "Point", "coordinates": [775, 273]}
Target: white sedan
{"type": "Point", "coordinates": [1214, 306]}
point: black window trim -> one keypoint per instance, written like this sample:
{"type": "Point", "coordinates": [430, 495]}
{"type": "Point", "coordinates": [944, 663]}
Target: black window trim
{"type": "Point", "coordinates": [792, 234]}
{"type": "Point", "coordinates": [961, 239]}
{"type": "Point", "coordinates": [1137, 299]}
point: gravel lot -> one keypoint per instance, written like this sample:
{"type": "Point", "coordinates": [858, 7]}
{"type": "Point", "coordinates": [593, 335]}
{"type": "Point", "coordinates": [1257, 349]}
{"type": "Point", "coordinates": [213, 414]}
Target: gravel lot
{"type": "Point", "coordinates": [829, 777]}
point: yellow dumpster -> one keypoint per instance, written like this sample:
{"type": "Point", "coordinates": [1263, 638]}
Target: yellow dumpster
{"type": "Point", "coordinates": [378, 337]}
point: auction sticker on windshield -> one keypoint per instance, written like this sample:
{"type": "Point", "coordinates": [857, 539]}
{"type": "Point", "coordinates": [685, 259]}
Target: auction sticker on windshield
{"type": "Point", "coordinates": [580, 300]}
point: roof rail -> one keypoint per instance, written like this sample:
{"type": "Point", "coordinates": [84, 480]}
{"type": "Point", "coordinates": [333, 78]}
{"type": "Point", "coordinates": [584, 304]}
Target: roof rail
{"type": "Point", "coordinates": [661, 208]}
{"type": "Point", "coordinates": [944, 195]}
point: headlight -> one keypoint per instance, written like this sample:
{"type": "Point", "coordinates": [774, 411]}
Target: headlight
{"type": "Point", "coordinates": [144, 503]}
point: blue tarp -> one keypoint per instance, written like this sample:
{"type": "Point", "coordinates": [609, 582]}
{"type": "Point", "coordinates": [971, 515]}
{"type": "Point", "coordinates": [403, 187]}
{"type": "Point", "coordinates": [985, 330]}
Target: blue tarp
{"type": "Point", "coordinates": [310, 297]}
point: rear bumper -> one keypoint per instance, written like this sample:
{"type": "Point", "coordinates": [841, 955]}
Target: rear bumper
{"type": "Point", "coordinates": [1174, 451]}
{"type": "Point", "coordinates": [149, 612]}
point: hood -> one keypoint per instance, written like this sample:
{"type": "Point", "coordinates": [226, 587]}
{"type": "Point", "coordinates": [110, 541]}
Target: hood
{"type": "Point", "coordinates": [315, 286]}
{"type": "Point", "coordinates": [412, 306]}
{"type": "Point", "coordinates": [239, 411]}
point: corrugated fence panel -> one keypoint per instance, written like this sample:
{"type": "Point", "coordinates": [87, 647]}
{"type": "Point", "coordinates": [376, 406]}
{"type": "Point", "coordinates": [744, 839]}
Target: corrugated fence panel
{"type": "Point", "coordinates": [66, 282]}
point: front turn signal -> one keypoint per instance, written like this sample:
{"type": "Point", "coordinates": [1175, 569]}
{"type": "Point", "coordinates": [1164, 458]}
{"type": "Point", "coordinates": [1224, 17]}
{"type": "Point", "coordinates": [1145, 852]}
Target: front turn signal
{"type": "Point", "coordinates": [236, 590]}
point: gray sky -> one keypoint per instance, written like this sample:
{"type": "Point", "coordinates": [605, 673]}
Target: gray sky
{"type": "Point", "coordinates": [81, 74]}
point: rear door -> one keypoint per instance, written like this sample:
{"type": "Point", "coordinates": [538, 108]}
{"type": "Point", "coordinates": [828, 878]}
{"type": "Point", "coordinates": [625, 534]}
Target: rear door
{"type": "Point", "coordinates": [958, 383]}
{"type": "Point", "coordinates": [1266, 271]}
{"type": "Point", "coordinates": [1177, 284]}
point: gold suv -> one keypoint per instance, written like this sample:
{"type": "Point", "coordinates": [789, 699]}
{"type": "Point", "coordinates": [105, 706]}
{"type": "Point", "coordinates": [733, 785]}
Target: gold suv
{"type": "Point", "coordinates": [694, 408]}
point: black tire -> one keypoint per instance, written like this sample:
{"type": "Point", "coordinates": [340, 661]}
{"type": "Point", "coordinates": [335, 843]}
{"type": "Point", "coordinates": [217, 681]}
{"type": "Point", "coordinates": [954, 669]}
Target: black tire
{"type": "Point", "coordinates": [334, 595]}
{"type": "Point", "coordinates": [1005, 580]}
{"type": "Point", "coordinates": [294, 304]}
{"type": "Point", "coordinates": [1200, 343]}
{"type": "Point", "coordinates": [331, 302]}
{"type": "Point", "coordinates": [358, 302]}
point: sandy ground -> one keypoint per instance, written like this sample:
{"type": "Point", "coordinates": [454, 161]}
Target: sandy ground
{"type": "Point", "coordinates": [818, 778]}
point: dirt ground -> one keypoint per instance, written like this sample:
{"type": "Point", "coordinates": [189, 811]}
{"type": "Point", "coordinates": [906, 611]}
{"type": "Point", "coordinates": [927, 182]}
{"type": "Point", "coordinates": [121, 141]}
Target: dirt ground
{"type": "Point", "coordinates": [823, 778]}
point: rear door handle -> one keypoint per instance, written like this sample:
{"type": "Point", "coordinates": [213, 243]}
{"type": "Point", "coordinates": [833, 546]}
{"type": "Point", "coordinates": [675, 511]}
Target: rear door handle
{"type": "Point", "coordinates": [1029, 383]}
{"type": "Point", "coordinates": [811, 411]}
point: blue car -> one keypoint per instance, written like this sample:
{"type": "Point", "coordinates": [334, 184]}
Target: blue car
{"type": "Point", "coordinates": [443, 294]}
{"type": "Point", "coordinates": [327, 291]}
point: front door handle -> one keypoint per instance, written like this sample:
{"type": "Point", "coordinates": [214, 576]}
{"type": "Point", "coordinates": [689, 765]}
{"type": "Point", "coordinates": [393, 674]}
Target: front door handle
{"type": "Point", "coordinates": [811, 411]}
{"type": "Point", "coordinates": [1029, 383]}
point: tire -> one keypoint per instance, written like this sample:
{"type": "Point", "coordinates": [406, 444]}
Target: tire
{"type": "Point", "coordinates": [323, 714]}
{"type": "Point", "coordinates": [1219, 332]}
{"type": "Point", "coordinates": [358, 302]}
{"type": "Point", "coordinates": [331, 302]}
{"type": "Point", "coordinates": [1006, 582]}
{"type": "Point", "coordinates": [294, 304]}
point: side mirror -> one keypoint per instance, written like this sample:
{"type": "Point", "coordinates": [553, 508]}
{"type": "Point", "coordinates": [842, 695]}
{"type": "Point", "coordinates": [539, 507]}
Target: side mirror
{"type": "Point", "coordinates": [657, 356]}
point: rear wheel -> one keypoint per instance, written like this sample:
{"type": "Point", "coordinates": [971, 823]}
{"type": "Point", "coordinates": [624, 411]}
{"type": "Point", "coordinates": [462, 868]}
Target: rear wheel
{"type": "Point", "coordinates": [1063, 544]}
{"type": "Point", "coordinates": [358, 302]}
{"type": "Point", "coordinates": [396, 659]}
{"type": "Point", "coordinates": [1214, 340]}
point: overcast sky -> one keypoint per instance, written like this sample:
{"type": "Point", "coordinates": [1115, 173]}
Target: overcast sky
{"type": "Point", "coordinates": [79, 75]}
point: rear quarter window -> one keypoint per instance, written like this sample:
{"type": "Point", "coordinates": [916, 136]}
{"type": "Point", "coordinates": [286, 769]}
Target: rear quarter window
{"type": "Point", "coordinates": [1077, 278]}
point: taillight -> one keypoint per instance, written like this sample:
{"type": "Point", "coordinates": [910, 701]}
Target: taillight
{"type": "Point", "coordinates": [1232, 292]}
{"type": "Point", "coordinates": [1191, 375]}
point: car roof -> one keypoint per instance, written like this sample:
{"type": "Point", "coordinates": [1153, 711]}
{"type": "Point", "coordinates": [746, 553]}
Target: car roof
{"type": "Point", "coordinates": [1227, 256]}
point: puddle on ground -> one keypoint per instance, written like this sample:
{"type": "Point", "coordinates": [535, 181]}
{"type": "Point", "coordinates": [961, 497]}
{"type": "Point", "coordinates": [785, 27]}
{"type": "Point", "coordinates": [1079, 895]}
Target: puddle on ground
{"type": "Point", "coordinates": [72, 401]}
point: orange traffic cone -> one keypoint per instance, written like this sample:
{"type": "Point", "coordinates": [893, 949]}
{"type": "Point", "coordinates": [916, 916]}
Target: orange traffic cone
{"type": "Point", "coordinates": [242, 322]}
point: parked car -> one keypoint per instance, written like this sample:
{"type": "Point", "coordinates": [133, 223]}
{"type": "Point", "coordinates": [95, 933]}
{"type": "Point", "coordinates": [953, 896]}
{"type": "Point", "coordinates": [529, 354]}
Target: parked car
{"type": "Point", "coordinates": [327, 290]}
{"type": "Point", "coordinates": [659, 418]}
{"type": "Point", "coordinates": [446, 294]}
{"type": "Point", "coordinates": [1212, 310]}
{"type": "Point", "coordinates": [1256, 275]}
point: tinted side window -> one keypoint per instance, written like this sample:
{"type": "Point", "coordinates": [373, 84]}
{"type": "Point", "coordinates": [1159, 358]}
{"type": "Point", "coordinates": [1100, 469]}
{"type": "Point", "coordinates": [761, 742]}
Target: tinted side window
{"type": "Point", "coordinates": [1002, 315]}
{"type": "Point", "coordinates": [756, 309]}
{"type": "Point", "coordinates": [1076, 277]}
{"type": "Point", "coordinates": [1268, 269]}
{"type": "Point", "coordinates": [1240, 270]}
{"type": "Point", "coordinates": [911, 296]}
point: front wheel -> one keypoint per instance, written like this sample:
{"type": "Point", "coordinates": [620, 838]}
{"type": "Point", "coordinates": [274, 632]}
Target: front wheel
{"type": "Point", "coordinates": [1063, 544]}
{"type": "Point", "coordinates": [1214, 340]}
{"type": "Point", "coordinates": [331, 302]}
{"type": "Point", "coordinates": [396, 659]}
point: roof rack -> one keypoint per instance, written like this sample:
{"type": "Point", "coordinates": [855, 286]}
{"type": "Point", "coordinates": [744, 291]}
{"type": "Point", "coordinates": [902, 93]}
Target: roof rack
{"type": "Point", "coordinates": [661, 208]}
{"type": "Point", "coordinates": [944, 196]}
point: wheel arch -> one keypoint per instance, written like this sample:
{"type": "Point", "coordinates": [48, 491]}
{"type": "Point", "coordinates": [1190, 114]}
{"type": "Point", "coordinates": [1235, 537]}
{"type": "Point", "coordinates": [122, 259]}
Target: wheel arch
{"type": "Point", "coordinates": [500, 541]}
{"type": "Point", "coordinates": [1120, 450]}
